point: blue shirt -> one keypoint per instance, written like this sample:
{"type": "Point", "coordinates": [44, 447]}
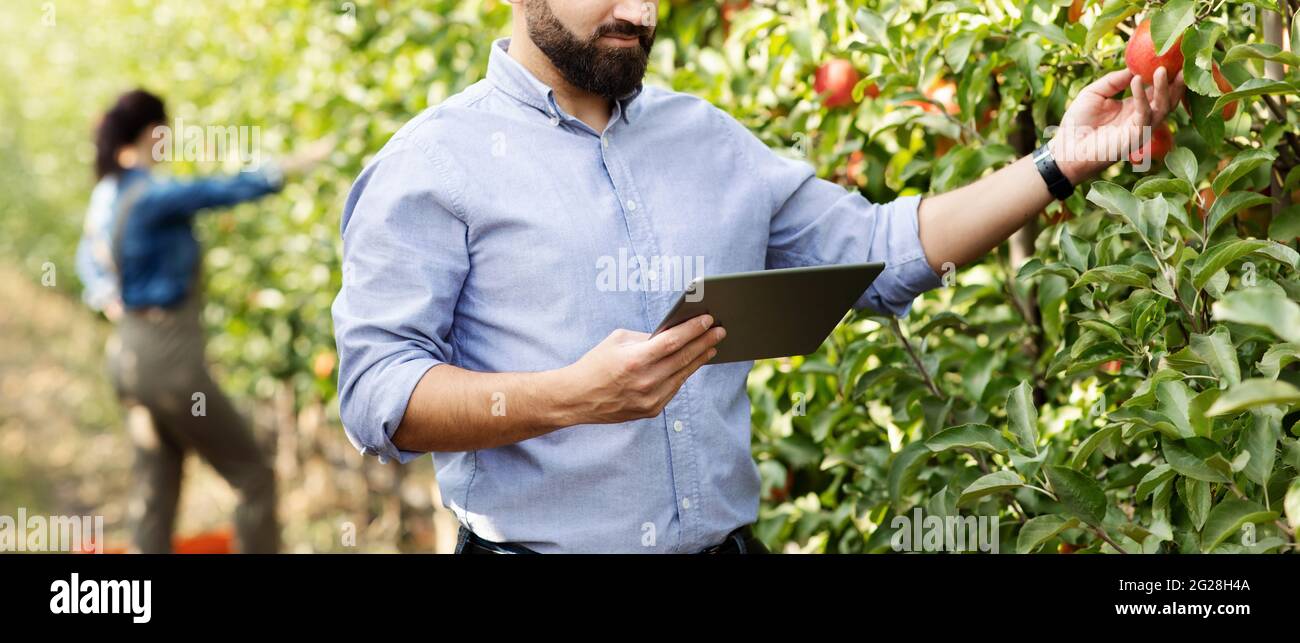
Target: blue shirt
{"type": "Point", "coordinates": [484, 234]}
{"type": "Point", "coordinates": [159, 254]}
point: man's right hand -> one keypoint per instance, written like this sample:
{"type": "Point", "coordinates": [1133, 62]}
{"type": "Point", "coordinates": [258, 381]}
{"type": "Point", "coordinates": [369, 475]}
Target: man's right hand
{"type": "Point", "coordinates": [631, 375]}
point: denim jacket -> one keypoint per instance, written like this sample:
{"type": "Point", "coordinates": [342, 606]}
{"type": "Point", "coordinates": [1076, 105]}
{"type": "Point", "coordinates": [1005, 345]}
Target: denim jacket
{"type": "Point", "coordinates": [158, 253]}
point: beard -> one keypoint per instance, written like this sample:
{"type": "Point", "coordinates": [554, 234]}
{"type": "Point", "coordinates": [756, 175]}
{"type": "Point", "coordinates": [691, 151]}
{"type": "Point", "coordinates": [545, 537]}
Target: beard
{"type": "Point", "coordinates": [609, 72]}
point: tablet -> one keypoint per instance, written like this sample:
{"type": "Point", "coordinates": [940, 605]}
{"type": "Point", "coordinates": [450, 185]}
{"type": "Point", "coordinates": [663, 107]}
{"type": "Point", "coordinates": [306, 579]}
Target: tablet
{"type": "Point", "coordinates": [774, 313]}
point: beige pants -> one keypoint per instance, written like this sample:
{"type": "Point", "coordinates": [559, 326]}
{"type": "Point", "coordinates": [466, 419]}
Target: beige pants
{"type": "Point", "coordinates": [157, 365]}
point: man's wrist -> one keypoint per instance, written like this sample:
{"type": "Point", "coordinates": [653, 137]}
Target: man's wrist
{"type": "Point", "coordinates": [559, 398]}
{"type": "Point", "coordinates": [1057, 182]}
{"type": "Point", "coordinates": [1077, 171]}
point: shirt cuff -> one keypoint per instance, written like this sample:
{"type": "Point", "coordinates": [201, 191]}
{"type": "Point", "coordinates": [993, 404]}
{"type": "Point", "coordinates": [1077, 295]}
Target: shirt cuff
{"type": "Point", "coordinates": [907, 272]}
{"type": "Point", "coordinates": [388, 402]}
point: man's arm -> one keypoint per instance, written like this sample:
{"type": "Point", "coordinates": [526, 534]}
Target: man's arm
{"type": "Point", "coordinates": [628, 376]}
{"type": "Point", "coordinates": [965, 224]}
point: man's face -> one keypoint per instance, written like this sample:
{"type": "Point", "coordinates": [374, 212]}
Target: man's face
{"type": "Point", "coordinates": [600, 46]}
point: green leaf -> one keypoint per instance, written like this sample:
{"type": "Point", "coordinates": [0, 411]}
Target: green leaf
{"type": "Point", "coordinates": [1260, 441]}
{"type": "Point", "coordinates": [1278, 356]}
{"type": "Point", "coordinates": [1169, 22]}
{"type": "Point", "coordinates": [1112, 14]}
{"type": "Point", "coordinates": [1145, 394]}
{"type": "Point", "coordinates": [1261, 51]}
{"type": "Point", "coordinates": [1189, 464]}
{"type": "Point", "coordinates": [1118, 201]}
{"type": "Point", "coordinates": [1216, 350]}
{"type": "Point", "coordinates": [1263, 307]}
{"type": "Point", "coordinates": [957, 53]}
{"type": "Point", "coordinates": [1254, 87]}
{"type": "Point", "coordinates": [1241, 165]}
{"type": "Point", "coordinates": [1023, 417]}
{"type": "Point", "coordinates": [801, 39]}
{"type": "Point", "coordinates": [1074, 256]}
{"type": "Point", "coordinates": [977, 371]}
{"type": "Point", "coordinates": [1080, 495]}
{"type": "Point", "coordinates": [1292, 503]}
{"type": "Point", "coordinates": [971, 436]}
{"type": "Point", "coordinates": [1040, 529]}
{"type": "Point", "coordinates": [907, 463]}
{"type": "Point", "coordinates": [1196, 497]}
{"type": "Point", "coordinates": [1115, 274]}
{"type": "Point", "coordinates": [1105, 329]}
{"type": "Point", "coordinates": [990, 484]}
{"type": "Point", "coordinates": [1175, 400]}
{"type": "Point", "coordinates": [1252, 393]}
{"type": "Point", "coordinates": [1183, 164]}
{"type": "Point", "coordinates": [1229, 204]}
{"type": "Point", "coordinates": [1198, 56]}
{"type": "Point", "coordinates": [1202, 424]}
{"type": "Point", "coordinates": [1228, 516]}
{"type": "Point", "coordinates": [826, 419]}
{"type": "Point", "coordinates": [1218, 257]}
{"type": "Point", "coordinates": [1145, 419]}
{"type": "Point", "coordinates": [872, 26]}
{"type": "Point", "coordinates": [1154, 185]}
{"type": "Point", "coordinates": [1090, 444]}
{"type": "Point", "coordinates": [1286, 224]}
{"type": "Point", "coordinates": [1153, 479]}
{"type": "Point", "coordinates": [1048, 31]}
{"type": "Point", "coordinates": [1026, 465]}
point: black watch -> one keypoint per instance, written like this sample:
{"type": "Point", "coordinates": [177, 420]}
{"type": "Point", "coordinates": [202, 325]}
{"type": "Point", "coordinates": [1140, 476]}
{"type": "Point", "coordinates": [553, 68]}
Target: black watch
{"type": "Point", "coordinates": [1057, 184]}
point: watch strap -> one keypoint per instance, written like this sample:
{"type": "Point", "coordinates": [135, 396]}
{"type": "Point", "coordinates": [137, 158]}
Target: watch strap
{"type": "Point", "coordinates": [1057, 184]}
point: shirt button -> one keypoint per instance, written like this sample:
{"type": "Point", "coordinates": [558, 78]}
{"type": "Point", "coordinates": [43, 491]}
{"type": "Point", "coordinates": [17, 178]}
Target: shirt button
{"type": "Point", "coordinates": [555, 120]}
{"type": "Point", "coordinates": [686, 503]}
{"type": "Point", "coordinates": [631, 205]}
{"type": "Point", "coordinates": [677, 426]}
{"type": "Point", "coordinates": [604, 142]}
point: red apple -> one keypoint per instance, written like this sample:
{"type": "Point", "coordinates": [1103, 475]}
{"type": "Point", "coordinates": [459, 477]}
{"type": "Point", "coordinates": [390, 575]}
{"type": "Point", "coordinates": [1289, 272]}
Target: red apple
{"type": "Point", "coordinates": [729, 9]}
{"type": "Point", "coordinates": [1141, 58]}
{"type": "Point", "coordinates": [1162, 140]}
{"type": "Point", "coordinates": [835, 80]}
{"type": "Point", "coordinates": [856, 166]}
{"type": "Point", "coordinates": [1207, 200]}
{"type": "Point", "coordinates": [1230, 109]}
{"type": "Point", "coordinates": [942, 91]}
{"type": "Point", "coordinates": [322, 365]}
{"type": "Point", "coordinates": [1112, 367]}
{"type": "Point", "coordinates": [1076, 10]}
{"type": "Point", "coordinates": [942, 145]}
{"type": "Point", "coordinates": [780, 494]}
{"type": "Point", "coordinates": [1061, 216]}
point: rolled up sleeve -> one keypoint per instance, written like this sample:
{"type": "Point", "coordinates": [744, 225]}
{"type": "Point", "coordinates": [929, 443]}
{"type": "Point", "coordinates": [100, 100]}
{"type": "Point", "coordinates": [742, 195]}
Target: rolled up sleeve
{"type": "Point", "coordinates": [816, 222]}
{"type": "Point", "coordinates": [405, 258]}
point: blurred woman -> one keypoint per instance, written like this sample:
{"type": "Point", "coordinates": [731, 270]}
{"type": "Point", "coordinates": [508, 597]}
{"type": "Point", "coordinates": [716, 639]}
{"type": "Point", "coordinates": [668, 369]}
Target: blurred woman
{"type": "Point", "coordinates": [140, 263]}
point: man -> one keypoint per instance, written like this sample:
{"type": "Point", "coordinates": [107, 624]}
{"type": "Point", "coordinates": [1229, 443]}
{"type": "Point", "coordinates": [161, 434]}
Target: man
{"type": "Point", "coordinates": [476, 320]}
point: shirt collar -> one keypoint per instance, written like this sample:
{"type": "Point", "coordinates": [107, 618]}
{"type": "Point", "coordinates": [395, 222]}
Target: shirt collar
{"type": "Point", "coordinates": [511, 77]}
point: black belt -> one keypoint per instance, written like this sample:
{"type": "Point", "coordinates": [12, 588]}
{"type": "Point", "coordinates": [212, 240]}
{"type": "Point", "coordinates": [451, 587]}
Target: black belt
{"type": "Point", "coordinates": [740, 541]}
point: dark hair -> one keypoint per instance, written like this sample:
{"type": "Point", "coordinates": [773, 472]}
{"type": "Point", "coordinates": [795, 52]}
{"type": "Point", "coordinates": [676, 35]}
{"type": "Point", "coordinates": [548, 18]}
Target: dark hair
{"type": "Point", "coordinates": [122, 125]}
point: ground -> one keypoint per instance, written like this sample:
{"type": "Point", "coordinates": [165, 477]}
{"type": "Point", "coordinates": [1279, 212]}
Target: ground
{"type": "Point", "coordinates": [63, 450]}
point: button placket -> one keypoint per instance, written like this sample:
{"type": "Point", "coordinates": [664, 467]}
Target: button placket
{"type": "Point", "coordinates": [685, 466]}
